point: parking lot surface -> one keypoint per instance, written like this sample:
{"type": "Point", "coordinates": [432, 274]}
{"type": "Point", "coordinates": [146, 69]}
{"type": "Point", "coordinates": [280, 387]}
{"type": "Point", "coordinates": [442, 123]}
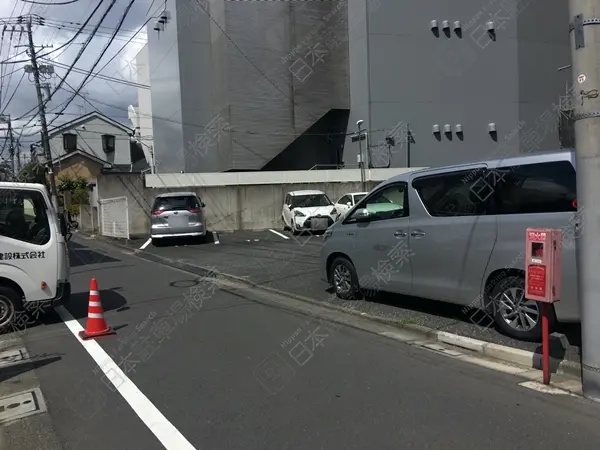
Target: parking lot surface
{"type": "Point", "coordinates": [277, 259]}
{"type": "Point", "coordinates": [230, 367]}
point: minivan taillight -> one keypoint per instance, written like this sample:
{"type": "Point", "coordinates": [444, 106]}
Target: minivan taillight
{"type": "Point", "coordinates": [194, 211]}
{"type": "Point", "coordinates": [157, 212]}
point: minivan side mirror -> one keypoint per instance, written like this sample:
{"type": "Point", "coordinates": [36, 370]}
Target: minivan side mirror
{"type": "Point", "coordinates": [203, 204]}
{"type": "Point", "coordinates": [349, 204]}
{"type": "Point", "coordinates": [362, 215]}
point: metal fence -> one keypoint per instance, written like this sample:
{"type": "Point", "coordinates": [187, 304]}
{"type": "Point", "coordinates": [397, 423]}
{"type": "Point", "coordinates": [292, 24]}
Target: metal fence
{"type": "Point", "coordinates": [114, 217]}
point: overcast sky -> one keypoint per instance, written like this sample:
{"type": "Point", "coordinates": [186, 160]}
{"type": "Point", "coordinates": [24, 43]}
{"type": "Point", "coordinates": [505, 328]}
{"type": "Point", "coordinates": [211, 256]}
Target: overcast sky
{"type": "Point", "coordinates": [61, 23]}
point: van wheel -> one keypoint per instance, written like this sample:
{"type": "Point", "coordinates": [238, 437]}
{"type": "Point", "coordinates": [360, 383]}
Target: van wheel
{"type": "Point", "coordinates": [514, 314]}
{"type": "Point", "coordinates": [343, 278]}
{"type": "Point", "coordinates": [9, 299]}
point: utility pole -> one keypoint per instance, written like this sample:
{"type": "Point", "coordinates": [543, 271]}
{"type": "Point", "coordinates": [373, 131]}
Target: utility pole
{"type": "Point", "coordinates": [35, 69]}
{"type": "Point", "coordinates": [360, 136]}
{"type": "Point", "coordinates": [9, 137]}
{"type": "Point", "coordinates": [585, 56]}
{"type": "Point", "coordinates": [18, 148]}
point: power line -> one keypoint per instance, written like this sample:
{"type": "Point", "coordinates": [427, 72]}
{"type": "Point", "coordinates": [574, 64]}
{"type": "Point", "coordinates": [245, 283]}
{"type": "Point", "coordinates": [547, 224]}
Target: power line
{"type": "Point", "coordinates": [87, 42]}
{"type": "Point", "coordinates": [13, 94]}
{"type": "Point", "coordinates": [104, 50]}
{"type": "Point", "coordinates": [99, 75]}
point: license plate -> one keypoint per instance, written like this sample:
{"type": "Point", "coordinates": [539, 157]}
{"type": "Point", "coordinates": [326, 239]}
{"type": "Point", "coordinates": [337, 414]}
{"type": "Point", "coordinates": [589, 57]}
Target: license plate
{"type": "Point", "coordinates": [175, 221]}
{"type": "Point", "coordinates": [319, 224]}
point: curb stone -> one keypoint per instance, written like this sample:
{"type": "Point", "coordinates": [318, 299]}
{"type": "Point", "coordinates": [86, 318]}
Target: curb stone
{"type": "Point", "coordinates": [488, 349]}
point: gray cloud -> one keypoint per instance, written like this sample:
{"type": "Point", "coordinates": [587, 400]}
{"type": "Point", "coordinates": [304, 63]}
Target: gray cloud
{"type": "Point", "coordinates": [60, 25]}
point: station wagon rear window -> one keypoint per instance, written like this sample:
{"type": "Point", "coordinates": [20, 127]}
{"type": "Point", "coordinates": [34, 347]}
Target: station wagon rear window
{"type": "Point", "coordinates": [182, 203]}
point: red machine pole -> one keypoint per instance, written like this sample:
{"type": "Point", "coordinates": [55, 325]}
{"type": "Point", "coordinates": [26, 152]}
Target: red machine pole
{"type": "Point", "coordinates": [545, 344]}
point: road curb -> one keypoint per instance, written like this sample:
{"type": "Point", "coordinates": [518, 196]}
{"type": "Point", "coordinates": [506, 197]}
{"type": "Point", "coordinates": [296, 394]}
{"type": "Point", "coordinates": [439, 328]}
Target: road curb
{"type": "Point", "coordinates": [488, 349]}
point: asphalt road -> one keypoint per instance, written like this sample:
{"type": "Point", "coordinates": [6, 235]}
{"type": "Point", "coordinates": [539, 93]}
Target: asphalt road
{"type": "Point", "coordinates": [233, 370]}
{"type": "Point", "coordinates": [292, 265]}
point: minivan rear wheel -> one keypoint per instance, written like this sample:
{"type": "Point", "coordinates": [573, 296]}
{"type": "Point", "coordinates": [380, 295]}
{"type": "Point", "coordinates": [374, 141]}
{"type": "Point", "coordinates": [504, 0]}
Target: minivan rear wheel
{"type": "Point", "coordinates": [514, 314]}
{"type": "Point", "coordinates": [343, 278]}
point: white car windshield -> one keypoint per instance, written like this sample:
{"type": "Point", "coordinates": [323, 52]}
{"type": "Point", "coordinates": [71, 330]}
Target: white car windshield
{"type": "Point", "coordinates": [310, 201]}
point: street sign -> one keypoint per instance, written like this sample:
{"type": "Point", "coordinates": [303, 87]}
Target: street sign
{"type": "Point", "coordinates": [581, 78]}
{"type": "Point", "coordinates": [359, 137]}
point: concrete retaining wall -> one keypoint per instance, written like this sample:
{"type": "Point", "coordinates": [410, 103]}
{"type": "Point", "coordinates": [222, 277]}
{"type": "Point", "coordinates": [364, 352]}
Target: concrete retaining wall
{"type": "Point", "coordinates": [228, 208]}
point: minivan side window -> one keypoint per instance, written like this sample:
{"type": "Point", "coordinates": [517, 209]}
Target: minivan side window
{"type": "Point", "coordinates": [452, 194]}
{"type": "Point", "coordinates": [23, 216]}
{"type": "Point", "coordinates": [390, 202]}
{"type": "Point", "coordinates": [537, 188]}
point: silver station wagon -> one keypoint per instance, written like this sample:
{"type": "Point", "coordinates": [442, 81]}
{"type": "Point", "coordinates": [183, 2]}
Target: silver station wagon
{"type": "Point", "coordinates": [457, 234]}
{"type": "Point", "coordinates": [177, 215]}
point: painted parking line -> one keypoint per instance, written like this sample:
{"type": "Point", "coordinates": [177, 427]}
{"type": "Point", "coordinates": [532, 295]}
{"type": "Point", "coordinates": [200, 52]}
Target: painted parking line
{"type": "Point", "coordinates": [146, 244]}
{"type": "Point", "coordinates": [215, 237]}
{"type": "Point", "coordinates": [278, 233]}
{"type": "Point", "coordinates": [159, 425]}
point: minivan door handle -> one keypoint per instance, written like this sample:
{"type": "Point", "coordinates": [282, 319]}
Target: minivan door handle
{"type": "Point", "coordinates": [400, 234]}
{"type": "Point", "coordinates": [417, 233]}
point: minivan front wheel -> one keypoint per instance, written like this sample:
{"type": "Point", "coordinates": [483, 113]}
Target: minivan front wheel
{"type": "Point", "coordinates": [514, 314]}
{"type": "Point", "coordinates": [343, 278]}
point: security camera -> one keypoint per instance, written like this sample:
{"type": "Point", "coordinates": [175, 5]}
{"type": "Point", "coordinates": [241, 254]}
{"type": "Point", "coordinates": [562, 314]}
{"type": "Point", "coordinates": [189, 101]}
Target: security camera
{"type": "Point", "coordinates": [83, 127]}
{"type": "Point", "coordinates": [359, 122]}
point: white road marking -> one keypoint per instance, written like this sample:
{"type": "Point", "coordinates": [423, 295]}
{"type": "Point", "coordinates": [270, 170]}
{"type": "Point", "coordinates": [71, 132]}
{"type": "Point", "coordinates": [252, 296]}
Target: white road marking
{"type": "Point", "coordinates": [215, 237]}
{"type": "Point", "coordinates": [146, 244]}
{"type": "Point", "coordinates": [540, 387]}
{"type": "Point", "coordinates": [165, 432]}
{"type": "Point", "coordinates": [278, 233]}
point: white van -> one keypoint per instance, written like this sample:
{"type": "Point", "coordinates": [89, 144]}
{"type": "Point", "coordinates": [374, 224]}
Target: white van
{"type": "Point", "coordinates": [34, 260]}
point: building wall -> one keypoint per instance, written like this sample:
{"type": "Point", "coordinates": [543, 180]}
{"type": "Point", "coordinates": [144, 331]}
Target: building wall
{"type": "Point", "coordinates": [163, 62]}
{"type": "Point", "coordinates": [77, 167]}
{"type": "Point", "coordinates": [90, 141]}
{"type": "Point", "coordinates": [144, 107]}
{"type": "Point", "coordinates": [228, 208]}
{"type": "Point", "coordinates": [292, 76]}
{"type": "Point", "coordinates": [263, 89]}
{"type": "Point", "coordinates": [402, 73]}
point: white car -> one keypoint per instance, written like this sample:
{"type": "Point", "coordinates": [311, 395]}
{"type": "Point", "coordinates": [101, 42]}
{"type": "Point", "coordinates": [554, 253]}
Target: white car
{"type": "Point", "coordinates": [347, 201]}
{"type": "Point", "coordinates": [307, 211]}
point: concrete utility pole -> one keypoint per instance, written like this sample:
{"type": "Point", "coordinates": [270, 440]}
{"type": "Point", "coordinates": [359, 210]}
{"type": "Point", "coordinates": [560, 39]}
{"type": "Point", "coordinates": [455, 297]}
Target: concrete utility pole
{"type": "Point", "coordinates": [42, 110]}
{"type": "Point", "coordinates": [11, 146]}
{"type": "Point", "coordinates": [585, 55]}
{"type": "Point", "coordinates": [360, 136]}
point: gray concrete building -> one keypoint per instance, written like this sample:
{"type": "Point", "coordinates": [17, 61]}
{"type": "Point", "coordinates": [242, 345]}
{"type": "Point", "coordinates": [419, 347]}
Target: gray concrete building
{"type": "Point", "coordinates": [278, 85]}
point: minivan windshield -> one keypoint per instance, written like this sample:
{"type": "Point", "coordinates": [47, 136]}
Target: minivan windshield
{"type": "Point", "coordinates": [310, 201]}
{"type": "Point", "coordinates": [180, 203]}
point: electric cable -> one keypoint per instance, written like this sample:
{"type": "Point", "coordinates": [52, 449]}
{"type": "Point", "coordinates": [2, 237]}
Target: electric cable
{"type": "Point", "coordinates": [13, 94]}
{"type": "Point", "coordinates": [104, 50]}
{"type": "Point", "coordinates": [87, 42]}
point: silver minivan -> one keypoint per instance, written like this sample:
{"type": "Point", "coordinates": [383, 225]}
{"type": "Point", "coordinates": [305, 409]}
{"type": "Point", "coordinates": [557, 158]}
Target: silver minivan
{"type": "Point", "coordinates": [177, 215]}
{"type": "Point", "coordinates": [457, 234]}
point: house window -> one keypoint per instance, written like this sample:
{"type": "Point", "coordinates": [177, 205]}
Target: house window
{"type": "Point", "coordinates": [108, 143]}
{"type": "Point", "coordinates": [70, 142]}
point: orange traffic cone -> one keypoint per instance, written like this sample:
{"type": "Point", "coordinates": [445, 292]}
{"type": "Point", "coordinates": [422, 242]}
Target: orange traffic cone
{"type": "Point", "coordinates": [96, 325]}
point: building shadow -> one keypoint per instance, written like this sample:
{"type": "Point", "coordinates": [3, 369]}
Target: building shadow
{"type": "Point", "coordinates": [187, 241]}
{"type": "Point", "coordinates": [80, 255]}
{"type": "Point", "coordinates": [14, 370]}
{"type": "Point", "coordinates": [77, 306]}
